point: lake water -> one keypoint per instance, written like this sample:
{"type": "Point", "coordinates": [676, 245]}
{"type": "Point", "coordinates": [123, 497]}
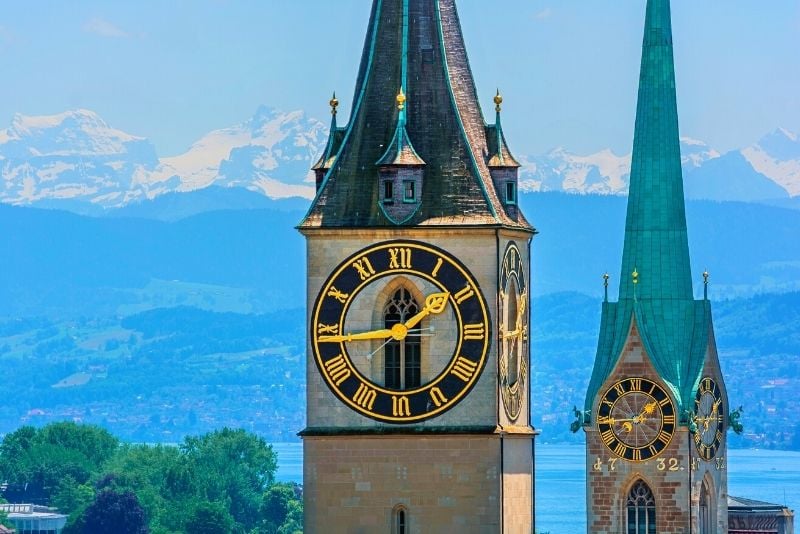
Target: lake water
{"type": "Point", "coordinates": [772, 476]}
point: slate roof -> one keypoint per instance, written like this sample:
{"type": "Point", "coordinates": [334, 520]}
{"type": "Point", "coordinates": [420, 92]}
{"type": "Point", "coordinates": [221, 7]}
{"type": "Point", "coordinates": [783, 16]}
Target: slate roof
{"type": "Point", "coordinates": [416, 45]}
{"type": "Point", "coordinates": [675, 329]}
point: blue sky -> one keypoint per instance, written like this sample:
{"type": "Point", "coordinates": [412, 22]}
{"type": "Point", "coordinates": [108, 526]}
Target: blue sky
{"type": "Point", "coordinates": [172, 71]}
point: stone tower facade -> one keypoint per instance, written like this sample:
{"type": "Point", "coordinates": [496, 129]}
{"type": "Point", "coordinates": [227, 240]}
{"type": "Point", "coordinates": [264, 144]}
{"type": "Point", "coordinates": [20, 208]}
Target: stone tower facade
{"type": "Point", "coordinates": [656, 413]}
{"type": "Point", "coordinates": [418, 416]}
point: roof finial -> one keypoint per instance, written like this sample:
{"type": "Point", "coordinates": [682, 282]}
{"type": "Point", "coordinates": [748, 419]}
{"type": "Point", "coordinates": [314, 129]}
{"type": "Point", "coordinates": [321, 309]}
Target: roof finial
{"type": "Point", "coordinates": [635, 276]}
{"type": "Point", "coordinates": [498, 101]}
{"type": "Point", "coordinates": [605, 284]}
{"type": "Point", "coordinates": [334, 104]}
{"type": "Point", "coordinates": [401, 100]}
{"type": "Point", "coordinates": [705, 284]}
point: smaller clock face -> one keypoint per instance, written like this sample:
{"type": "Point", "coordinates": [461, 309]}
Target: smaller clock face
{"type": "Point", "coordinates": [513, 334]}
{"type": "Point", "coordinates": [709, 418]}
{"type": "Point", "coordinates": [636, 419]}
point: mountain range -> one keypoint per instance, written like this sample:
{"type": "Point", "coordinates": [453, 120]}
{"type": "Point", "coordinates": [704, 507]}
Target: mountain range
{"type": "Point", "coordinates": [76, 161]}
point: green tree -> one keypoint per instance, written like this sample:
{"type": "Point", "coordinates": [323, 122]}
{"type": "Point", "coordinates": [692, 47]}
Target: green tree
{"type": "Point", "coordinates": [282, 509]}
{"type": "Point", "coordinates": [114, 513]}
{"type": "Point", "coordinates": [40, 459]}
{"type": "Point", "coordinates": [209, 518]}
{"type": "Point", "coordinates": [232, 466]}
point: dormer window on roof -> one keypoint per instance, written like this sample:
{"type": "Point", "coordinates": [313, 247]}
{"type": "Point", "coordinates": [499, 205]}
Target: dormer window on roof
{"type": "Point", "coordinates": [400, 169]}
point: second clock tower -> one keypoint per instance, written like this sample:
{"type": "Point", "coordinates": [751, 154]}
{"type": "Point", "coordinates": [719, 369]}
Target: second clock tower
{"type": "Point", "coordinates": [656, 409]}
{"type": "Point", "coordinates": [418, 413]}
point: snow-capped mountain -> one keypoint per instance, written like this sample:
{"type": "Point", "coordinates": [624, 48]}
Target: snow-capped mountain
{"type": "Point", "coordinates": [72, 155]}
{"type": "Point", "coordinates": [76, 156]}
{"type": "Point", "coordinates": [768, 170]}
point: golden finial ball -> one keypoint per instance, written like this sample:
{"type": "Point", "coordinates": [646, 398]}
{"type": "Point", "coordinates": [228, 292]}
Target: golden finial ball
{"type": "Point", "coordinates": [334, 104]}
{"type": "Point", "coordinates": [635, 275]}
{"type": "Point", "coordinates": [498, 100]}
{"type": "Point", "coordinates": [401, 100]}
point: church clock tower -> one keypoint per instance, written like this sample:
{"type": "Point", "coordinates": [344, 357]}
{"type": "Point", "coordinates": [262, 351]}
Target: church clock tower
{"type": "Point", "coordinates": [656, 409]}
{"type": "Point", "coordinates": [418, 413]}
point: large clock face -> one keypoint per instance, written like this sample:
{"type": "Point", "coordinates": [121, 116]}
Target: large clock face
{"type": "Point", "coordinates": [513, 331]}
{"type": "Point", "coordinates": [636, 419]}
{"type": "Point", "coordinates": [448, 314]}
{"type": "Point", "coordinates": [709, 418]}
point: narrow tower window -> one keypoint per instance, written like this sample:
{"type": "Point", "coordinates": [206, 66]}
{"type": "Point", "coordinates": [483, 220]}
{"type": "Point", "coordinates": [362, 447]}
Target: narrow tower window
{"type": "Point", "coordinates": [402, 358]}
{"type": "Point", "coordinates": [410, 191]}
{"type": "Point", "coordinates": [400, 520]}
{"type": "Point", "coordinates": [641, 509]}
{"type": "Point", "coordinates": [705, 513]}
{"type": "Point", "coordinates": [388, 191]}
{"type": "Point", "coordinates": [511, 193]}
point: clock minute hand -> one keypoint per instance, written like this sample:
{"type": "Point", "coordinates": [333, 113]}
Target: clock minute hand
{"type": "Point", "coordinates": [435, 303]}
{"type": "Point", "coordinates": [359, 336]}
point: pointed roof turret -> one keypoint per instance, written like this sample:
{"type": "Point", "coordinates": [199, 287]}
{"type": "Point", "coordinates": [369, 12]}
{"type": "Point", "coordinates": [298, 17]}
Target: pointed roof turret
{"type": "Point", "coordinates": [401, 151]}
{"type": "Point", "coordinates": [500, 154]}
{"type": "Point", "coordinates": [655, 283]}
{"type": "Point", "coordinates": [334, 140]}
{"type": "Point", "coordinates": [416, 45]}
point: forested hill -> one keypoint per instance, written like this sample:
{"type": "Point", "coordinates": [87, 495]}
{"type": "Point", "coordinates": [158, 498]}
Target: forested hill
{"type": "Point", "coordinates": [159, 329]}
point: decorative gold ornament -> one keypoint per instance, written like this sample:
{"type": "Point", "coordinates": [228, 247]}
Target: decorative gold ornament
{"type": "Point", "coordinates": [334, 104]}
{"type": "Point", "coordinates": [635, 276]}
{"type": "Point", "coordinates": [401, 100]}
{"type": "Point", "coordinates": [498, 101]}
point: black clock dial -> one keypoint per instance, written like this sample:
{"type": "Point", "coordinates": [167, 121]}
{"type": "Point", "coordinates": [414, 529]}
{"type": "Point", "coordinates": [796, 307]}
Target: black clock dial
{"type": "Point", "coordinates": [636, 419]}
{"type": "Point", "coordinates": [709, 418]}
{"type": "Point", "coordinates": [453, 291]}
{"type": "Point", "coordinates": [513, 331]}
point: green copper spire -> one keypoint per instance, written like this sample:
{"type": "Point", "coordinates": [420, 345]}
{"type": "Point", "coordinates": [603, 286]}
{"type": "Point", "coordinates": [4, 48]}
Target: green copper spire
{"type": "Point", "coordinates": [655, 284]}
{"type": "Point", "coordinates": [656, 243]}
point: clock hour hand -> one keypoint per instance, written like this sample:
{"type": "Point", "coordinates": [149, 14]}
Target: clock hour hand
{"type": "Point", "coordinates": [435, 303]}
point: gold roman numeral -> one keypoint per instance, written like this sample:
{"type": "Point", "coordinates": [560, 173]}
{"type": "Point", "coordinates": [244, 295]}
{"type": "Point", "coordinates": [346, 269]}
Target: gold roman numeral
{"type": "Point", "coordinates": [437, 397]}
{"type": "Point", "coordinates": [400, 258]}
{"type": "Point", "coordinates": [464, 294]}
{"type": "Point", "coordinates": [474, 332]}
{"type": "Point", "coordinates": [620, 450]}
{"type": "Point", "coordinates": [400, 407]}
{"type": "Point", "coordinates": [637, 455]}
{"type": "Point", "coordinates": [464, 369]}
{"type": "Point", "coordinates": [327, 329]}
{"type": "Point", "coordinates": [636, 384]}
{"type": "Point", "coordinates": [439, 263]}
{"type": "Point", "coordinates": [664, 438]}
{"type": "Point", "coordinates": [653, 450]}
{"type": "Point", "coordinates": [669, 419]}
{"type": "Point", "coordinates": [337, 370]}
{"type": "Point", "coordinates": [364, 268]}
{"type": "Point", "coordinates": [365, 396]}
{"type": "Point", "coordinates": [608, 437]}
{"type": "Point", "coordinates": [619, 388]}
{"type": "Point", "coordinates": [338, 295]}
{"type": "Point", "coordinates": [663, 402]}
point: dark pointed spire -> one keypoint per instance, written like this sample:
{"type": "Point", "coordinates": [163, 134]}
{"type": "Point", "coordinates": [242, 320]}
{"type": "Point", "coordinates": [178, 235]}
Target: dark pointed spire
{"type": "Point", "coordinates": [656, 242]}
{"type": "Point", "coordinates": [415, 45]}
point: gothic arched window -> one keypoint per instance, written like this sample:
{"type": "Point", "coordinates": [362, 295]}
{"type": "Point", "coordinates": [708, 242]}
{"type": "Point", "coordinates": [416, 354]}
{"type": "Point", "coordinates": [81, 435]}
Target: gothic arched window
{"type": "Point", "coordinates": [400, 520]}
{"type": "Point", "coordinates": [402, 359]}
{"type": "Point", "coordinates": [705, 512]}
{"type": "Point", "coordinates": [641, 509]}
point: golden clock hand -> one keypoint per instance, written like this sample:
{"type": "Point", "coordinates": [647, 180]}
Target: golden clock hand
{"type": "Point", "coordinates": [360, 336]}
{"type": "Point", "coordinates": [435, 303]}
